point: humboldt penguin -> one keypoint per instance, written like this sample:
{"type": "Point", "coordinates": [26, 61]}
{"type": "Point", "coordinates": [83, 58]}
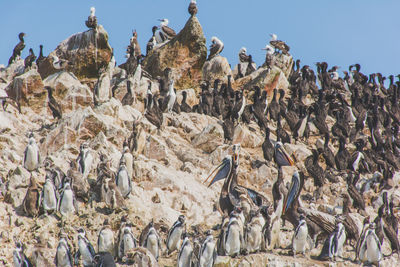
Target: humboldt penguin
{"type": "Point", "coordinates": [128, 158]}
{"type": "Point", "coordinates": [85, 159]}
{"type": "Point", "coordinates": [334, 244]}
{"type": "Point", "coordinates": [17, 49]}
{"type": "Point", "coordinates": [171, 96]}
{"type": "Point", "coordinates": [19, 257]}
{"type": "Point", "coordinates": [31, 201]}
{"type": "Point", "coordinates": [112, 195]}
{"type": "Point", "coordinates": [85, 249]}
{"type": "Point", "coordinates": [208, 252]}
{"type": "Point", "coordinates": [67, 204]}
{"type": "Point", "coordinates": [185, 252]}
{"type": "Point", "coordinates": [39, 254]}
{"type": "Point", "coordinates": [151, 240]}
{"type": "Point", "coordinates": [53, 105]}
{"type": "Point", "coordinates": [105, 240]}
{"type": "Point", "coordinates": [31, 155]}
{"type": "Point", "coordinates": [370, 249]}
{"type": "Point", "coordinates": [126, 241]}
{"type": "Point", "coordinates": [253, 232]}
{"type": "Point", "coordinates": [104, 259]}
{"type": "Point", "coordinates": [123, 180]}
{"type": "Point", "coordinates": [192, 9]}
{"type": "Point", "coordinates": [299, 240]}
{"type": "Point", "coordinates": [49, 196]}
{"type": "Point", "coordinates": [63, 255]}
{"type": "Point", "coordinates": [216, 47]}
{"type": "Point", "coordinates": [91, 22]}
{"type": "Point", "coordinates": [175, 233]}
{"type": "Point", "coordinates": [233, 236]}
{"type": "Point", "coordinates": [29, 59]}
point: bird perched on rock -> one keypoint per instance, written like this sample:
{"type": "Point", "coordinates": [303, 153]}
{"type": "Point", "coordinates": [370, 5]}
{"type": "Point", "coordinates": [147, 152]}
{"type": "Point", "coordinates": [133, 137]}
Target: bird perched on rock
{"type": "Point", "coordinates": [185, 252]}
{"type": "Point", "coordinates": [18, 48]}
{"type": "Point", "coordinates": [253, 231]}
{"type": "Point", "coordinates": [233, 236]}
{"type": "Point", "coordinates": [123, 180]}
{"type": "Point", "coordinates": [49, 196]}
{"type": "Point", "coordinates": [216, 47]}
{"type": "Point", "coordinates": [104, 259]}
{"type": "Point", "coordinates": [192, 9]}
{"type": "Point", "coordinates": [67, 204]}
{"type": "Point", "coordinates": [40, 58]}
{"type": "Point", "coordinates": [60, 64]}
{"type": "Point", "coordinates": [53, 105]}
{"type": "Point", "coordinates": [126, 240]}
{"type": "Point", "coordinates": [91, 22]}
{"type": "Point", "coordinates": [85, 159]}
{"type": "Point", "coordinates": [29, 59]}
{"type": "Point", "coordinates": [63, 255]}
{"type": "Point", "coordinates": [171, 96]}
{"type": "Point", "coordinates": [269, 56]}
{"type": "Point", "coordinates": [208, 252]}
{"type": "Point", "coordinates": [85, 249]}
{"type": "Point", "coordinates": [150, 240]}
{"type": "Point", "coordinates": [31, 201]}
{"type": "Point", "coordinates": [152, 42]}
{"type": "Point", "coordinates": [164, 33]}
{"type": "Point", "coordinates": [370, 249]}
{"type": "Point", "coordinates": [19, 257]}
{"type": "Point", "coordinates": [278, 44]}
{"type": "Point", "coordinates": [175, 233]}
{"type": "Point", "coordinates": [105, 240]}
{"type": "Point", "coordinates": [31, 154]}
{"type": "Point", "coordinates": [299, 240]}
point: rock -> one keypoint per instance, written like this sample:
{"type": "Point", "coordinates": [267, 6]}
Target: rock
{"type": "Point", "coordinates": [284, 63]}
{"type": "Point", "coordinates": [216, 68]}
{"type": "Point", "coordinates": [27, 90]}
{"type": "Point", "coordinates": [187, 167]}
{"type": "Point", "coordinates": [68, 91]}
{"type": "Point", "coordinates": [191, 98]}
{"type": "Point", "coordinates": [86, 52]}
{"type": "Point", "coordinates": [247, 138]}
{"type": "Point", "coordinates": [154, 149]}
{"type": "Point", "coordinates": [16, 68]}
{"type": "Point", "coordinates": [102, 89]}
{"type": "Point", "coordinates": [209, 139]}
{"type": "Point", "coordinates": [185, 54]}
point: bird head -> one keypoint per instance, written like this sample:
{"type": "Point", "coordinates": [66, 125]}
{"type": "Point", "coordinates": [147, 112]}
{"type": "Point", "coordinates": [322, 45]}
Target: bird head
{"type": "Point", "coordinates": [92, 11]}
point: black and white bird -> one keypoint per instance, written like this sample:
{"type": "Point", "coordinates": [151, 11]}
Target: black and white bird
{"type": "Point", "coordinates": [333, 246]}
{"type": "Point", "coordinates": [278, 44]}
{"type": "Point", "coordinates": [208, 252]}
{"type": "Point", "coordinates": [105, 240]}
{"type": "Point", "coordinates": [216, 47]}
{"type": "Point", "coordinates": [85, 250]}
{"type": "Point", "coordinates": [152, 241]}
{"type": "Point", "coordinates": [126, 241]}
{"type": "Point", "coordinates": [175, 233]}
{"type": "Point", "coordinates": [171, 96]}
{"type": "Point", "coordinates": [31, 154]}
{"type": "Point", "coordinates": [370, 249]}
{"type": "Point", "coordinates": [185, 252]}
{"type": "Point", "coordinates": [299, 240]}
{"type": "Point", "coordinates": [164, 33]}
{"type": "Point", "coordinates": [253, 232]}
{"type": "Point", "coordinates": [85, 159]}
{"type": "Point", "coordinates": [18, 48]}
{"type": "Point", "coordinates": [19, 257]}
{"type": "Point", "coordinates": [233, 236]}
{"type": "Point", "coordinates": [67, 204]}
{"type": "Point", "coordinates": [269, 57]}
{"type": "Point", "coordinates": [59, 64]}
{"type": "Point", "coordinates": [91, 22]}
{"type": "Point", "coordinates": [123, 180]}
{"type": "Point", "coordinates": [152, 42]}
{"type": "Point", "coordinates": [63, 255]}
{"type": "Point", "coordinates": [49, 196]}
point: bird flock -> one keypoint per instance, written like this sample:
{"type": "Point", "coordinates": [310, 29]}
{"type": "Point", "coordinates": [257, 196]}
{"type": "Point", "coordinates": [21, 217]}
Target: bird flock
{"type": "Point", "coordinates": [366, 115]}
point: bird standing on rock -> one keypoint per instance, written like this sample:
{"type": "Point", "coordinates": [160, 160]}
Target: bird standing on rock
{"type": "Point", "coordinates": [164, 33]}
{"type": "Point", "coordinates": [216, 47]}
{"type": "Point", "coordinates": [175, 233]}
{"type": "Point", "coordinates": [18, 48]}
{"type": "Point", "coordinates": [53, 105]}
{"type": "Point", "coordinates": [29, 59]}
{"type": "Point", "coordinates": [192, 9]}
{"type": "Point", "coordinates": [31, 154]}
{"type": "Point", "coordinates": [91, 22]}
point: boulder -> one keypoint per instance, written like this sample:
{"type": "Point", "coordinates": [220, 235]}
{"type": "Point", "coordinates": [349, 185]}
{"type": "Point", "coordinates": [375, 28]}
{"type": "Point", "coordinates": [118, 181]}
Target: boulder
{"type": "Point", "coordinates": [209, 139]}
{"type": "Point", "coordinates": [216, 68]}
{"type": "Point", "coordinates": [68, 90]}
{"type": "Point", "coordinates": [247, 138]}
{"type": "Point", "coordinates": [185, 54]}
{"type": "Point", "coordinates": [9, 72]}
{"type": "Point", "coordinates": [27, 90]}
{"type": "Point", "coordinates": [86, 52]}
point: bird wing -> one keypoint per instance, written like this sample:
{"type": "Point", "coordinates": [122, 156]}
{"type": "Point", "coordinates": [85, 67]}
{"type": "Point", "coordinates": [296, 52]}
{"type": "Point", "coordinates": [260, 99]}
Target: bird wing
{"type": "Point", "coordinates": [167, 30]}
{"type": "Point", "coordinates": [213, 50]}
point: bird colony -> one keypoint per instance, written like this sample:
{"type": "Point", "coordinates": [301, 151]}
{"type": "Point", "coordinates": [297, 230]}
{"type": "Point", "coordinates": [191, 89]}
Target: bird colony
{"type": "Point", "coordinates": [125, 170]}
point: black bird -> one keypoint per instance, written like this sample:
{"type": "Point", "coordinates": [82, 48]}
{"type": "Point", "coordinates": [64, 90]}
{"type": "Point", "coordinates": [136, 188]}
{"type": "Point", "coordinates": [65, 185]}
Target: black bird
{"type": "Point", "coordinates": [358, 200]}
{"type": "Point", "coordinates": [40, 58]}
{"type": "Point", "coordinates": [328, 154]}
{"type": "Point", "coordinates": [53, 105]}
{"type": "Point", "coordinates": [315, 171]}
{"type": "Point", "coordinates": [281, 134]}
{"type": "Point", "coordinates": [342, 156]}
{"type": "Point", "coordinates": [229, 129]}
{"type": "Point", "coordinates": [153, 114]}
{"type": "Point", "coordinates": [91, 22]}
{"type": "Point", "coordinates": [152, 42]}
{"type": "Point", "coordinates": [192, 9]}
{"type": "Point", "coordinates": [267, 147]}
{"type": "Point", "coordinates": [273, 108]}
{"type": "Point", "coordinates": [103, 259]}
{"type": "Point", "coordinates": [29, 59]}
{"type": "Point", "coordinates": [185, 106]}
{"type": "Point", "coordinates": [18, 48]}
{"type": "Point", "coordinates": [128, 97]}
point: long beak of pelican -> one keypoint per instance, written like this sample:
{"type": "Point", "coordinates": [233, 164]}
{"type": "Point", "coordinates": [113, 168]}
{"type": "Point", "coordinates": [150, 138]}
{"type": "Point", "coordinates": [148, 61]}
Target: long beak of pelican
{"type": "Point", "coordinates": [285, 156]}
{"type": "Point", "coordinates": [294, 188]}
{"type": "Point", "coordinates": [220, 173]}
{"type": "Point", "coordinates": [212, 174]}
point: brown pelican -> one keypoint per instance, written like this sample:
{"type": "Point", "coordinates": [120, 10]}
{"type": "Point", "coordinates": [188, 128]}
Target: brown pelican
{"type": "Point", "coordinates": [281, 157]}
{"type": "Point", "coordinates": [278, 44]}
{"type": "Point", "coordinates": [231, 192]}
{"type": "Point", "coordinates": [216, 47]}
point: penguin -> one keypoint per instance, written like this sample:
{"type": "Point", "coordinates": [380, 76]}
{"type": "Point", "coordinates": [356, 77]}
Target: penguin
{"type": "Point", "coordinates": [31, 201]}
{"type": "Point", "coordinates": [174, 234]}
{"type": "Point", "coordinates": [152, 241]}
{"type": "Point", "coordinates": [63, 255]}
{"type": "Point", "coordinates": [31, 155]}
{"type": "Point", "coordinates": [126, 242]}
{"type": "Point", "coordinates": [123, 180]}
{"type": "Point", "coordinates": [233, 236]}
{"type": "Point", "coordinates": [67, 204]}
{"type": "Point", "coordinates": [105, 240]}
{"type": "Point", "coordinates": [208, 252]}
{"type": "Point", "coordinates": [128, 157]}
{"type": "Point", "coordinates": [85, 250]}
{"type": "Point", "coordinates": [142, 257]}
{"type": "Point", "coordinates": [171, 96]}
{"type": "Point", "coordinates": [19, 257]}
{"type": "Point", "coordinates": [333, 246]}
{"type": "Point", "coordinates": [185, 252]}
{"type": "Point", "coordinates": [299, 240]}
{"type": "Point", "coordinates": [49, 196]}
{"type": "Point", "coordinates": [104, 259]}
{"type": "Point", "coordinates": [85, 160]}
{"type": "Point", "coordinates": [253, 232]}
{"type": "Point", "coordinates": [370, 250]}
{"type": "Point", "coordinates": [112, 195]}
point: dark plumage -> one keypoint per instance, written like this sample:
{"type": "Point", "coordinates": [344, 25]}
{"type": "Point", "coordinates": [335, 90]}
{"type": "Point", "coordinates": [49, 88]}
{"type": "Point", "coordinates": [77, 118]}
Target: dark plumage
{"type": "Point", "coordinates": [274, 108]}
{"type": "Point", "coordinates": [29, 59]}
{"type": "Point", "coordinates": [267, 147]}
{"type": "Point", "coordinates": [342, 156]}
{"type": "Point", "coordinates": [185, 106]}
{"type": "Point", "coordinates": [18, 48]}
{"type": "Point", "coordinates": [128, 97]}
{"type": "Point", "coordinates": [358, 200]}
{"type": "Point", "coordinates": [192, 9]}
{"type": "Point", "coordinates": [53, 105]}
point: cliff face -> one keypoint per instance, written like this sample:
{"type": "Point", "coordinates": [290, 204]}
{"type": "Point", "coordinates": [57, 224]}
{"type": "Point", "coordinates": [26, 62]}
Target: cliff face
{"type": "Point", "coordinates": [185, 53]}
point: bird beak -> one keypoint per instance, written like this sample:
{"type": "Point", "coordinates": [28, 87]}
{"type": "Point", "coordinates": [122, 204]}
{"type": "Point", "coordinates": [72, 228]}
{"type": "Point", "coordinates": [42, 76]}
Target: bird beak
{"type": "Point", "coordinates": [160, 20]}
{"type": "Point", "coordinates": [294, 188]}
{"type": "Point", "coordinates": [285, 155]}
{"type": "Point", "coordinates": [215, 174]}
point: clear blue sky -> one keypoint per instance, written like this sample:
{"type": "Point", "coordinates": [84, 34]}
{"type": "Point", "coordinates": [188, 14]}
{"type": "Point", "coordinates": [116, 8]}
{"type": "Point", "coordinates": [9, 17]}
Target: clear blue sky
{"type": "Point", "coordinates": [341, 32]}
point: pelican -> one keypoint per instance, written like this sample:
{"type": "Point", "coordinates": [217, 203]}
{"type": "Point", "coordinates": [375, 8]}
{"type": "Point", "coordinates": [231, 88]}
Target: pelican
{"type": "Point", "coordinates": [281, 157]}
{"type": "Point", "coordinates": [216, 47]}
{"type": "Point", "coordinates": [232, 193]}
